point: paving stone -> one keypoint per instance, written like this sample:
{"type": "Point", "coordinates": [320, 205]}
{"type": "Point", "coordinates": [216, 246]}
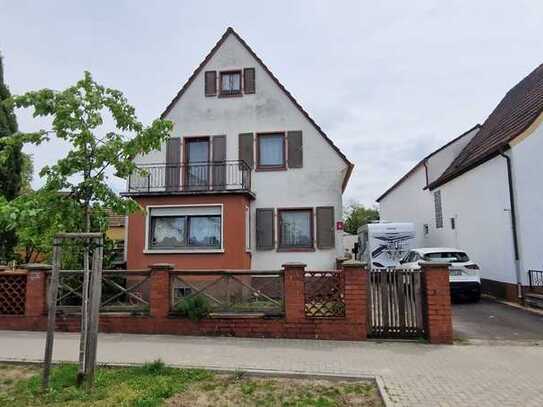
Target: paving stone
{"type": "Point", "coordinates": [414, 374]}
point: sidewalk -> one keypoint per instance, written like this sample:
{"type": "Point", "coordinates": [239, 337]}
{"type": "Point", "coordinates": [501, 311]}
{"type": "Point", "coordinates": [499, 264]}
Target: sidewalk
{"type": "Point", "coordinates": [413, 374]}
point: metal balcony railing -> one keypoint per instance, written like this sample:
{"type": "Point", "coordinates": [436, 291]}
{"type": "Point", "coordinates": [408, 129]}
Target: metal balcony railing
{"type": "Point", "coordinates": [194, 177]}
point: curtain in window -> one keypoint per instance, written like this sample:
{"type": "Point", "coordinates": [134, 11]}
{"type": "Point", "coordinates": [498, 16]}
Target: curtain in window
{"type": "Point", "coordinates": [296, 229]}
{"type": "Point", "coordinates": [271, 150]}
{"type": "Point", "coordinates": [198, 155]}
{"type": "Point", "coordinates": [205, 231]}
{"type": "Point", "coordinates": [168, 231]}
{"type": "Point", "coordinates": [231, 82]}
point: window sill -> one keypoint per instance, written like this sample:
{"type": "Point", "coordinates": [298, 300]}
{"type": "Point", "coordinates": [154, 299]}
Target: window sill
{"type": "Point", "coordinates": [230, 95]}
{"type": "Point", "coordinates": [296, 249]}
{"type": "Point", "coordinates": [182, 251]}
{"type": "Point", "coordinates": [263, 169]}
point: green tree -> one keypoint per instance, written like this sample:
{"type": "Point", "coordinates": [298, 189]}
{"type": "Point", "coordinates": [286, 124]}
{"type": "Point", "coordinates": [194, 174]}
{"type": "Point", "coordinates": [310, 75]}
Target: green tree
{"type": "Point", "coordinates": [358, 215]}
{"type": "Point", "coordinates": [81, 177]}
{"type": "Point", "coordinates": [11, 166]}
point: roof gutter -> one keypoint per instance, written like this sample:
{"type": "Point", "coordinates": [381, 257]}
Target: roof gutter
{"type": "Point", "coordinates": [513, 220]}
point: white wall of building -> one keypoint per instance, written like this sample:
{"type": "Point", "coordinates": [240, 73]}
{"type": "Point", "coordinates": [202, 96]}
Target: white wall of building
{"type": "Point", "coordinates": [409, 202]}
{"type": "Point", "coordinates": [527, 166]}
{"type": "Point", "coordinates": [318, 183]}
{"type": "Point", "coordinates": [478, 201]}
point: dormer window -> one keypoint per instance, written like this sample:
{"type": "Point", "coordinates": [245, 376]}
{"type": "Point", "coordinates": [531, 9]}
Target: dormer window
{"type": "Point", "coordinates": [230, 83]}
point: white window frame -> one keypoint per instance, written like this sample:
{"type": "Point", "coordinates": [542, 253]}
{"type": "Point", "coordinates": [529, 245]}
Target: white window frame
{"type": "Point", "coordinates": [148, 250]}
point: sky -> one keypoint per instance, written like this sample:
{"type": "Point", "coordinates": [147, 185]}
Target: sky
{"type": "Point", "coordinates": [388, 81]}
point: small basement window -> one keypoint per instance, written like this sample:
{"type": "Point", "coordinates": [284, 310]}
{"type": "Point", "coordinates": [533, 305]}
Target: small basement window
{"type": "Point", "coordinates": [182, 228]}
{"type": "Point", "coordinates": [230, 83]}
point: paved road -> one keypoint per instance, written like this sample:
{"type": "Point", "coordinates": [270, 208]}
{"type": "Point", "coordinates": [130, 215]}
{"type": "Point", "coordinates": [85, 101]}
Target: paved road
{"type": "Point", "coordinates": [413, 374]}
{"type": "Point", "coordinates": [489, 320]}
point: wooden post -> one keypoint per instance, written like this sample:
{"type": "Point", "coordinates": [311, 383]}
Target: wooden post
{"type": "Point", "coordinates": [84, 314]}
{"type": "Point", "coordinates": [51, 321]}
{"type": "Point", "coordinates": [94, 313]}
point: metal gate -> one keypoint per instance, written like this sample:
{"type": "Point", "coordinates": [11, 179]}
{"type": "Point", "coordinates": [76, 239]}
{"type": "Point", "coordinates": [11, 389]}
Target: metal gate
{"type": "Point", "coordinates": [395, 303]}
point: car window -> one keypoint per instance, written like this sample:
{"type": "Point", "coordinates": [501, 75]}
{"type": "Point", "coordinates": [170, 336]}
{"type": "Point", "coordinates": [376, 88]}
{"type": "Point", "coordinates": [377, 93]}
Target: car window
{"type": "Point", "coordinates": [409, 258]}
{"type": "Point", "coordinates": [457, 257]}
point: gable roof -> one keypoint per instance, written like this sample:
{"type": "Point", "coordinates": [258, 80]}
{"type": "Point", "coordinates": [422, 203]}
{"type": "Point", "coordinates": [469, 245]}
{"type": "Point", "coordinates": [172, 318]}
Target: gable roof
{"type": "Point", "coordinates": [520, 107]}
{"type": "Point", "coordinates": [421, 162]}
{"type": "Point", "coordinates": [230, 31]}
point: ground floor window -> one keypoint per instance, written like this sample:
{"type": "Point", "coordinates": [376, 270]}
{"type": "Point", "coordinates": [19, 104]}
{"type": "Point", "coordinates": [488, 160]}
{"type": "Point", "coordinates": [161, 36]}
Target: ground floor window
{"type": "Point", "coordinates": [178, 228]}
{"type": "Point", "coordinates": [295, 228]}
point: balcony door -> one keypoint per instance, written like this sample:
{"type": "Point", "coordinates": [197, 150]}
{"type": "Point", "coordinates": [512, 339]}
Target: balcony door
{"type": "Point", "coordinates": [197, 163]}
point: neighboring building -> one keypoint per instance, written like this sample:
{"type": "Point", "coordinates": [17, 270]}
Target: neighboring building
{"type": "Point", "coordinates": [247, 181]}
{"type": "Point", "coordinates": [116, 232]}
{"type": "Point", "coordinates": [482, 192]}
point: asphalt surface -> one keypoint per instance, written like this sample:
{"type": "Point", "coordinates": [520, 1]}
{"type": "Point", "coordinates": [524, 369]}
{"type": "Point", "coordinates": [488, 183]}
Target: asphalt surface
{"type": "Point", "coordinates": [489, 320]}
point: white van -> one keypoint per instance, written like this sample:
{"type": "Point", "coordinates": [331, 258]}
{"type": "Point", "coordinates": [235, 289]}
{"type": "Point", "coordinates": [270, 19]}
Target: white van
{"type": "Point", "coordinates": [384, 244]}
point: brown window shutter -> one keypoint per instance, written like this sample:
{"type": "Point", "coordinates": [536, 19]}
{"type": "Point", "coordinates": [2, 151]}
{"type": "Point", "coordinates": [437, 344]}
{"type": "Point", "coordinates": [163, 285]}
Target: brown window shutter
{"type": "Point", "coordinates": [246, 150]}
{"type": "Point", "coordinates": [249, 84]}
{"type": "Point", "coordinates": [211, 83]}
{"type": "Point", "coordinates": [173, 158]}
{"type": "Point", "coordinates": [295, 149]}
{"type": "Point", "coordinates": [325, 227]}
{"type": "Point", "coordinates": [265, 230]}
{"type": "Point", "coordinates": [219, 165]}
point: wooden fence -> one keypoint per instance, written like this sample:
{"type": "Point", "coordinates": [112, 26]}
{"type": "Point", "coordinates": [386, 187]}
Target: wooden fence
{"type": "Point", "coordinates": [395, 302]}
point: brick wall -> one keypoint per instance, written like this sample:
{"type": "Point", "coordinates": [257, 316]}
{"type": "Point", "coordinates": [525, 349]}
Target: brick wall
{"type": "Point", "coordinates": [437, 302]}
{"type": "Point", "coordinates": [294, 324]}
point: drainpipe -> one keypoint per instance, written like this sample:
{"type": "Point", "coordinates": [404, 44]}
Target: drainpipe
{"type": "Point", "coordinates": [513, 223]}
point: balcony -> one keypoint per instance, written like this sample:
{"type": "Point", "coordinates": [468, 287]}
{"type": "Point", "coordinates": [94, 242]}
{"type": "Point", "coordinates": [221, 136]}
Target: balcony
{"type": "Point", "coordinates": [190, 179]}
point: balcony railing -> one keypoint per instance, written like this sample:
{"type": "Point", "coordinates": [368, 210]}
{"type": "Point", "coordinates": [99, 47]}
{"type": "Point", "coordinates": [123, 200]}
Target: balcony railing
{"type": "Point", "coordinates": [191, 178]}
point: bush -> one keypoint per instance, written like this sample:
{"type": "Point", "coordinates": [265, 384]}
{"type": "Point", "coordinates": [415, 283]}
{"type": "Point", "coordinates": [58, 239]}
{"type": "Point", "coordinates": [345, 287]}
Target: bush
{"type": "Point", "coordinates": [195, 308]}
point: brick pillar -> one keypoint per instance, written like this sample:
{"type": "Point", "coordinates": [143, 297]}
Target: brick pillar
{"type": "Point", "coordinates": [35, 302]}
{"type": "Point", "coordinates": [159, 296]}
{"type": "Point", "coordinates": [437, 302]}
{"type": "Point", "coordinates": [294, 291]}
{"type": "Point", "coordinates": [356, 296]}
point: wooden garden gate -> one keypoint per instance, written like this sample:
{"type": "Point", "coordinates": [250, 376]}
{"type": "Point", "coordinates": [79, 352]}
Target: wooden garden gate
{"type": "Point", "coordinates": [395, 303]}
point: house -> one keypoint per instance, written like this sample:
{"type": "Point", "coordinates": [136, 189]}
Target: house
{"type": "Point", "coordinates": [482, 192]}
{"type": "Point", "coordinates": [116, 232]}
{"type": "Point", "coordinates": [248, 180]}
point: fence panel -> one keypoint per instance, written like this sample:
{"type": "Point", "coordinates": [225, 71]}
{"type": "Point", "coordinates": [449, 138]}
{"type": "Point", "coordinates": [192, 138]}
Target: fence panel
{"type": "Point", "coordinates": [122, 291]}
{"type": "Point", "coordinates": [395, 302]}
{"type": "Point", "coordinates": [324, 294]}
{"type": "Point", "coordinates": [228, 292]}
{"type": "Point", "coordinates": [12, 293]}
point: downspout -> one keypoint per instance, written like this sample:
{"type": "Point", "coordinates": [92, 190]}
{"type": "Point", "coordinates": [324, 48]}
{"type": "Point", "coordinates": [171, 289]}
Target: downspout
{"type": "Point", "coordinates": [513, 222]}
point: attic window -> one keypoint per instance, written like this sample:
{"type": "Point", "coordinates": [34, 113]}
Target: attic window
{"type": "Point", "coordinates": [230, 83]}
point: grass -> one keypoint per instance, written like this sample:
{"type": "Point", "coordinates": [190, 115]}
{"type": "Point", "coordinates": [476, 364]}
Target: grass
{"type": "Point", "coordinates": [154, 384]}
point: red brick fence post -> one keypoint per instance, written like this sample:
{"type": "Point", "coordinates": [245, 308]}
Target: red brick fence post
{"type": "Point", "coordinates": [293, 292]}
{"type": "Point", "coordinates": [36, 296]}
{"type": "Point", "coordinates": [356, 296]}
{"type": "Point", "coordinates": [437, 302]}
{"type": "Point", "coordinates": [159, 296]}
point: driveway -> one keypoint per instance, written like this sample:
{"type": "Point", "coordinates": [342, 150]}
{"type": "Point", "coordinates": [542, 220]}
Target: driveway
{"type": "Point", "coordinates": [489, 320]}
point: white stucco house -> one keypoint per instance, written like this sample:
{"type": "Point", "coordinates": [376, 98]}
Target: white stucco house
{"type": "Point", "coordinates": [483, 192]}
{"type": "Point", "coordinates": [248, 179]}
